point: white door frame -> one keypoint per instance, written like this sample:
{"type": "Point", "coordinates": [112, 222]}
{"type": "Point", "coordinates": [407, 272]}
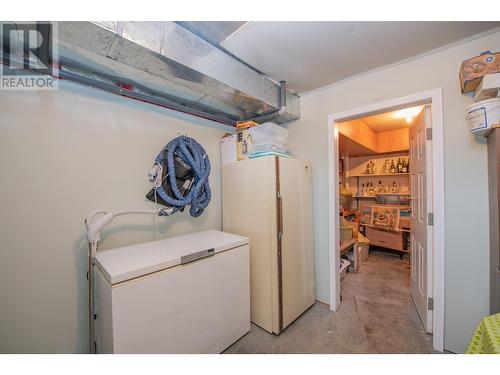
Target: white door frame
{"type": "Point", "coordinates": [436, 278]}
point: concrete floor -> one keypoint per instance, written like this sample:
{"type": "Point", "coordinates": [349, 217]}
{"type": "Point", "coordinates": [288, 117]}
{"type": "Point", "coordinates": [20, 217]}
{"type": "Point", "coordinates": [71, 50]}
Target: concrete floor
{"type": "Point", "coordinates": [377, 315]}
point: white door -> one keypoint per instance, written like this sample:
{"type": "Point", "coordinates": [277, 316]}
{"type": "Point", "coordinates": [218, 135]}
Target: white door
{"type": "Point", "coordinates": [420, 237]}
{"type": "Point", "coordinates": [297, 260]}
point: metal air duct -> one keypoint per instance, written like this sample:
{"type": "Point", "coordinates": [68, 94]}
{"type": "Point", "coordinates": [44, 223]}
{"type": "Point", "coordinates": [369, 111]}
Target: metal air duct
{"type": "Point", "coordinates": [165, 64]}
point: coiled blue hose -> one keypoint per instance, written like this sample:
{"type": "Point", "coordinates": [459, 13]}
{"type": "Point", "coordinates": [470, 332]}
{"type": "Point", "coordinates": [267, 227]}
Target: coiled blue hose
{"type": "Point", "coordinates": [192, 153]}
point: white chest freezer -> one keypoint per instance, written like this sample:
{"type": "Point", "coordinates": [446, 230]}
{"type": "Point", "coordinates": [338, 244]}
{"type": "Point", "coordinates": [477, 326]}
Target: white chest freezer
{"type": "Point", "coordinates": [186, 294]}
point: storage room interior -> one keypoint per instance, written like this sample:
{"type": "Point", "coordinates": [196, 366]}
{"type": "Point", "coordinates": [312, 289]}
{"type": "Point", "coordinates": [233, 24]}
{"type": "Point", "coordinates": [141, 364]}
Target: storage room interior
{"type": "Point", "coordinates": [180, 187]}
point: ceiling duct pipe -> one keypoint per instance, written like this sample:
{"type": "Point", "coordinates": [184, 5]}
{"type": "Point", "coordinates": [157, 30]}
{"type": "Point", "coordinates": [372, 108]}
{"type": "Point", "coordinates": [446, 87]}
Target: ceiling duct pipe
{"type": "Point", "coordinates": [280, 112]}
{"type": "Point", "coordinates": [282, 96]}
{"type": "Point", "coordinates": [135, 91]}
{"type": "Point", "coordinates": [174, 68]}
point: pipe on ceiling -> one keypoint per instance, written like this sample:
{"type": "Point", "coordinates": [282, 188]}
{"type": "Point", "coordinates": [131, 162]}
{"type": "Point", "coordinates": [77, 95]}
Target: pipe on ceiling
{"type": "Point", "coordinates": [132, 91]}
{"type": "Point", "coordinates": [173, 63]}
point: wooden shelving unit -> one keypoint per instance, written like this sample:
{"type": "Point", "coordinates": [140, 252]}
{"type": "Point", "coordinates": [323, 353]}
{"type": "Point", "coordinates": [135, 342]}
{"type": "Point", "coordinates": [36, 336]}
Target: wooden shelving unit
{"type": "Point", "coordinates": [395, 239]}
{"type": "Point", "coordinates": [378, 175]}
{"type": "Point", "coordinates": [375, 196]}
{"type": "Point", "coordinates": [398, 193]}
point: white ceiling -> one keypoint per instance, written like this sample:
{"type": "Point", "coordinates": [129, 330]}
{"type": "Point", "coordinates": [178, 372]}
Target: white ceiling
{"type": "Point", "coordinates": [309, 55]}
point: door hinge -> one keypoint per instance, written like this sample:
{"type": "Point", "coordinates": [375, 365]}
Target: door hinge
{"type": "Point", "coordinates": [429, 133]}
{"type": "Point", "coordinates": [430, 304]}
{"type": "Point", "coordinates": [430, 218]}
{"type": "Point", "coordinates": [280, 236]}
{"type": "Point", "coordinates": [278, 194]}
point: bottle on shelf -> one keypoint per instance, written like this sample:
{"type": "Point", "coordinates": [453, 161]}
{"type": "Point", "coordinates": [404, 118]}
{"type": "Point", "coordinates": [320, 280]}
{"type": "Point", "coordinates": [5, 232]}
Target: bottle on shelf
{"type": "Point", "coordinates": [371, 191]}
{"type": "Point", "coordinates": [374, 168]}
{"type": "Point", "coordinates": [370, 167]}
{"type": "Point", "coordinates": [405, 166]}
{"type": "Point", "coordinates": [393, 187]}
{"type": "Point", "coordinates": [380, 187]}
{"type": "Point", "coordinates": [393, 168]}
{"type": "Point", "coordinates": [398, 166]}
{"type": "Point", "coordinates": [386, 168]}
{"type": "Point", "coordinates": [363, 190]}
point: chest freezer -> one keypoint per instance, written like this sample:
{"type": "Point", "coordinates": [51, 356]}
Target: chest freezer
{"type": "Point", "coordinates": [186, 294]}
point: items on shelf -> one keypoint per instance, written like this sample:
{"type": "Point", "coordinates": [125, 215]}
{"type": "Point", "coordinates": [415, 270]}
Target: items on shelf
{"type": "Point", "coordinates": [363, 248]}
{"type": "Point", "coordinates": [384, 217]}
{"type": "Point", "coordinates": [346, 230]}
{"type": "Point", "coordinates": [402, 165]}
{"type": "Point", "coordinates": [370, 191]}
{"type": "Point", "coordinates": [386, 168]}
{"type": "Point", "coordinates": [370, 167]}
{"type": "Point", "coordinates": [345, 199]}
{"type": "Point", "coordinates": [383, 226]}
{"type": "Point", "coordinates": [380, 188]}
{"type": "Point", "coordinates": [394, 199]}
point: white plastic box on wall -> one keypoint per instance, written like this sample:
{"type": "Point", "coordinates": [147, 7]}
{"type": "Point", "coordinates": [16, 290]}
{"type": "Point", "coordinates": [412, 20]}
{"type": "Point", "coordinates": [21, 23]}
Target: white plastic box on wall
{"type": "Point", "coordinates": [481, 116]}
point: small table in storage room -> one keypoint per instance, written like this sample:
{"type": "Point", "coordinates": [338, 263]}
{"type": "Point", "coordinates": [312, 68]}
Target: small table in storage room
{"type": "Point", "coordinates": [350, 245]}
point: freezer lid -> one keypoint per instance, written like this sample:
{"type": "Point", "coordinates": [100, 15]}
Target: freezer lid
{"type": "Point", "coordinates": [125, 263]}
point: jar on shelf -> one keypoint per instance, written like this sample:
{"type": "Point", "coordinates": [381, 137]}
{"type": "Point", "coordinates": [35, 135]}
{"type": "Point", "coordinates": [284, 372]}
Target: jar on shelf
{"type": "Point", "coordinates": [386, 168]}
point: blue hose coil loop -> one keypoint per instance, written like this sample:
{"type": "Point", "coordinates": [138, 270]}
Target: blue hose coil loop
{"type": "Point", "coordinates": [195, 155]}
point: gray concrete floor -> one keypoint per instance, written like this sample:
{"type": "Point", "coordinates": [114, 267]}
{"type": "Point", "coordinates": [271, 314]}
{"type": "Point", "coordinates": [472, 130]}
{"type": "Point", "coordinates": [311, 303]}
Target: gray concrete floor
{"type": "Point", "coordinates": [377, 315]}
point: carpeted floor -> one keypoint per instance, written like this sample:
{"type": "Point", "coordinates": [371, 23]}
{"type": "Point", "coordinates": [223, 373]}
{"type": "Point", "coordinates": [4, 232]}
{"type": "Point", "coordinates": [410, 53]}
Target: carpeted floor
{"type": "Point", "coordinates": [377, 315]}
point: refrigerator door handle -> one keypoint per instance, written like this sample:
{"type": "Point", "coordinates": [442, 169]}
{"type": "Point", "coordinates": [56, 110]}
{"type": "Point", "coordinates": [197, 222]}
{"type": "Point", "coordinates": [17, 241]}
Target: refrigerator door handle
{"type": "Point", "coordinates": [280, 216]}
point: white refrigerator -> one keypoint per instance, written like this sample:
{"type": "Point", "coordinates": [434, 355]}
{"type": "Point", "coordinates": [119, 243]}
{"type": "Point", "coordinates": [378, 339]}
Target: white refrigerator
{"type": "Point", "coordinates": [269, 200]}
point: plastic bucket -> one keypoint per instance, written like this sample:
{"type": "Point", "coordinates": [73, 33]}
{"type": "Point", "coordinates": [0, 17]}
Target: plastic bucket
{"type": "Point", "coordinates": [482, 115]}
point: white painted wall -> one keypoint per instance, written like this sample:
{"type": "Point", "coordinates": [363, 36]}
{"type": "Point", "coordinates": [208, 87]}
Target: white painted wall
{"type": "Point", "coordinates": [467, 243]}
{"type": "Point", "coordinates": [62, 155]}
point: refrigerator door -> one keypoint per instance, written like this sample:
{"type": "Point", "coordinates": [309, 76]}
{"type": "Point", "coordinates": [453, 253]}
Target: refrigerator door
{"type": "Point", "coordinates": [249, 209]}
{"type": "Point", "coordinates": [297, 265]}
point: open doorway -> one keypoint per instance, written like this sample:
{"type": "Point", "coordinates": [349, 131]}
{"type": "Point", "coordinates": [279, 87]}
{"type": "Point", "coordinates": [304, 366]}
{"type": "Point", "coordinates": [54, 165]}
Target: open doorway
{"type": "Point", "coordinates": [386, 202]}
